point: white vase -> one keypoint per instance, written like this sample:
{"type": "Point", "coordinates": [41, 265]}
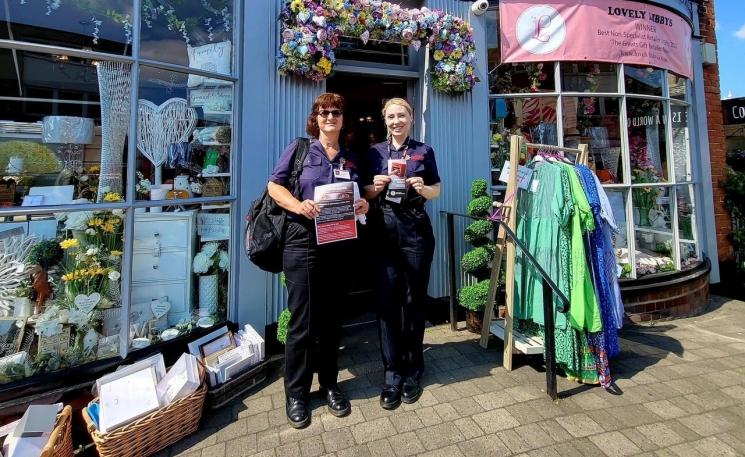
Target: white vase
{"type": "Point", "coordinates": [207, 295]}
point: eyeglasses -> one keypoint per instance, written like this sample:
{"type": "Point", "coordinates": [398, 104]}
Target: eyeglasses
{"type": "Point", "coordinates": [333, 113]}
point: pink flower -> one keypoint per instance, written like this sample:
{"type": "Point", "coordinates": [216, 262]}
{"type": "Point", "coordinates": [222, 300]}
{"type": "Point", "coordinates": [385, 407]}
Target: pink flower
{"type": "Point", "coordinates": [321, 34]}
{"type": "Point", "coordinates": [287, 35]}
{"type": "Point", "coordinates": [407, 34]}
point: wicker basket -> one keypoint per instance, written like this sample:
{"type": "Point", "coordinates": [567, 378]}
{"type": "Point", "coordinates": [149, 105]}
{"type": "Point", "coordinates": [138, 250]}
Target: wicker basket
{"type": "Point", "coordinates": [151, 433]}
{"type": "Point", "coordinates": [60, 442]}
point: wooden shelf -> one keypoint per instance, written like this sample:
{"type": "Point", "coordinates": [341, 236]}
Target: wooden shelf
{"type": "Point", "coordinates": [523, 343]}
{"type": "Point", "coordinates": [214, 175]}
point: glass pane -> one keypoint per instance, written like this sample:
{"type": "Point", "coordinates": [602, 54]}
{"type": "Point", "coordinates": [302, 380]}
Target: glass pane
{"type": "Point", "coordinates": [532, 118]}
{"type": "Point", "coordinates": [184, 136]}
{"type": "Point", "coordinates": [643, 80]}
{"type": "Point", "coordinates": [617, 200]}
{"type": "Point", "coordinates": [678, 86]}
{"type": "Point", "coordinates": [653, 230]}
{"type": "Point", "coordinates": [687, 226]}
{"type": "Point", "coordinates": [516, 78]}
{"type": "Point", "coordinates": [66, 273]}
{"type": "Point", "coordinates": [492, 40]}
{"type": "Point", "coordinates": [681, 143]}
{"type": "Point", "coordinates": [589, 77]}
{"type": "Point", "coordinates": [647, 140]}
{"type": "Point", "coordinates": [596, 121]}
{"type": "Point", "coordinates": [193, 33]}
{"type": "Point", "coordinates": [180, 271]}
{"type": "Point", "coordinates": [102, 25]}
{"type": "Point", "coordinates": [62, 140]}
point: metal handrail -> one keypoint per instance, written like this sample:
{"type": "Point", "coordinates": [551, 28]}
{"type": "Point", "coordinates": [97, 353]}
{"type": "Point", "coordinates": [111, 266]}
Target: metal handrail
{"type": "Point", "coordinates": [549, 290]}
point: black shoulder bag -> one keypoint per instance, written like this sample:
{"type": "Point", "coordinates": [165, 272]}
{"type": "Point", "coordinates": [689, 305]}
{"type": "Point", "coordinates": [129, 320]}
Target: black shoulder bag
{"type": "Point", "coordinates": [265, 227]}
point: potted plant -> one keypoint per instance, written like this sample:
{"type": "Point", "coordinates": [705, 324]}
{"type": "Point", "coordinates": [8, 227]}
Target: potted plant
{"type": "Point", "coordinates": [207, 264]}
{"type": "Point", "coordinates": [476, 262]}
{"type": "Point", "coordinates": [22, 302]}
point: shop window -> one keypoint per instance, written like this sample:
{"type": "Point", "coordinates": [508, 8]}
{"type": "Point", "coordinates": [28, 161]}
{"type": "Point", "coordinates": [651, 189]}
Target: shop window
{"type": "Point", "coordinates": [515, 78]}
{"type": "Point", "coordinates": [54, 149]}
{"type": "Point", "coordinates": [589, 77]}
{"type": "Point", "coordinates": [184, 136]}
{"type": "Point", "coordinates": [653, 230]}
{"type": "Point", "coordinates": [533, 118]}
{"type": "Point", "coordinates": [678, 87]}
{"type": "Point", "coordinates": [643, 80]}
{"type": "Point", "coordinates": [681, 147]}
{"type": "Point", "coordinates": [180, 269]}
{"type": "Point", "coordinates": [686, 211]}
{"type": "Point", "coordinates": [647, 140]}
{"type": "Point", "coordinates": [192, 33]}
{"type": "Point", "coordinates": [102, 25]}
{"type": "Point", "coordinates": [595, 121]}
{"type": "Point", "coordinates": [65, 270]}
{"type": "Point", "coordinates": [617, 199]}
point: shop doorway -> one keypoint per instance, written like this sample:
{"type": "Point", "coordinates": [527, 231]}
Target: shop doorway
{"type": "Point", "coordinates": [364, 126]}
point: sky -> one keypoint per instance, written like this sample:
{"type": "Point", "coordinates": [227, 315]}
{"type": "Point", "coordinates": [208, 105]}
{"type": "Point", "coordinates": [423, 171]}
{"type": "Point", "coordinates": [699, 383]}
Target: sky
{"type": "Point", "coordinates": [730, 17]}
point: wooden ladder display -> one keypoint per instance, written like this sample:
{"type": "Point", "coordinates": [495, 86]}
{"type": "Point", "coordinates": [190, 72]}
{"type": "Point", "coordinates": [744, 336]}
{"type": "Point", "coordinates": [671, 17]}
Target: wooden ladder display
{"type": "Point", "coordinates": [514, 340]}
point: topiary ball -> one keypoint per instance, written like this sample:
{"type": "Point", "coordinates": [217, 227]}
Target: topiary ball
{"type": "Point", "coordinates": [479, 207]}
{"type": "Point", "coordinates": [282, 324]}
{"type": "Point", "coordinates": [476, 260]}
{"type": "Point", "coordinates": [477, 233]}
{"type": "Point", "coordinates": [475, 296]}
{"type": "Point", "coordinates": [479, 188]}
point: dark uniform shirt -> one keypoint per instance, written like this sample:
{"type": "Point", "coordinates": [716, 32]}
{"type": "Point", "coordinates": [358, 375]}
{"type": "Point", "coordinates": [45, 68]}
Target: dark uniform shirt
{"type": "Point", "coordinates": [318, 169]}
{"type": "Point", "coordinates": [420, 163]}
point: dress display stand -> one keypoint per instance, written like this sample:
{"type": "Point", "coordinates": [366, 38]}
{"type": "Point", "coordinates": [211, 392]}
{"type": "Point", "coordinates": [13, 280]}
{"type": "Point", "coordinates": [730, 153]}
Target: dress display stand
{"type": "Point", "coordinates": [503, 329]}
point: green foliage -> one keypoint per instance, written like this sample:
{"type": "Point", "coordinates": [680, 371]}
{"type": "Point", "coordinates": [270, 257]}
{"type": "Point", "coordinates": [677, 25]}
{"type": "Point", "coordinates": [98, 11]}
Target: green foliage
{"type": "Point", "coordinates": [474, 297]}
{"type": "Point", "coordinates": [477, 233]}
{"type": "Point", "coordinates": [282, 324]}
{"type": "Point", "coordinates": [734, 201]}
{"type": "Point", "coordinates": [38, 159]}
{"type": "Point", "coordinates": [479, 188]}
{"type": "Point", "coordinates": [24, 289]}
{"type": "Point", "coordinates": [626, 270]}
{"type": "Point", "coordinates": [45, 253]}
{"type": "Point", "coordinates": [479, 207]}
{"type": "Point", "coordinates": [476, 260]}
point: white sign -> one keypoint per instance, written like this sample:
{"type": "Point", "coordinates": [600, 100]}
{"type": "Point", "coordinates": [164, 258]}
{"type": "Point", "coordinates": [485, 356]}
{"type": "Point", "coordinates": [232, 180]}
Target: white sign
{"type": "Point", "coordinates": [213, 226]}
{"type": "Point", "coordinates": [524, 174]}
{"type": "Point", "coordinates": [216, 100]}
{"type": "Point", "coordinates": [160, 307]}
{"type": "Point", "coordinates": [86, 303]}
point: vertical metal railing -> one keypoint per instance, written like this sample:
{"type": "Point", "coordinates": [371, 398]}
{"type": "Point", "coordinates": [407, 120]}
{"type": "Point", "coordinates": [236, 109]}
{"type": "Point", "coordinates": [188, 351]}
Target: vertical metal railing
{"type": "Point", "coordinates": [550, 289]}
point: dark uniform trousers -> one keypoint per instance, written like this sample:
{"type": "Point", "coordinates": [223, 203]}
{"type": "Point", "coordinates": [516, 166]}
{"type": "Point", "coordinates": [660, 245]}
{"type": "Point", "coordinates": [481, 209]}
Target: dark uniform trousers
{"type": "Point", "coordinates": [316, 279]}
{"type": "Point", "coordinates": [406, 247]}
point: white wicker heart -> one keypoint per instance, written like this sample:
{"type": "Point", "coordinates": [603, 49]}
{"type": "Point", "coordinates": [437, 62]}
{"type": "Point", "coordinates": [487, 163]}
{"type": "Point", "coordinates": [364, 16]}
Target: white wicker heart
{"type": "Point", "coordinates": [160, 126]}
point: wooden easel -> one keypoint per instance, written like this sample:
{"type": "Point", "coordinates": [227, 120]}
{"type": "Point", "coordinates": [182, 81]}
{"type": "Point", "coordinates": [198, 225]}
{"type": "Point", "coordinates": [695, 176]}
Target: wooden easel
{"type": "Point", "coordinates": [526, 345]}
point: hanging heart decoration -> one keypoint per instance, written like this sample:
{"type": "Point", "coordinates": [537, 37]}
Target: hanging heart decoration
{"type": "Point", "coordinates": [160, 308]}
{"type": "Point", "coordinates": [162, 125]}
{"type": "Point", "coordinates": [87, 303]}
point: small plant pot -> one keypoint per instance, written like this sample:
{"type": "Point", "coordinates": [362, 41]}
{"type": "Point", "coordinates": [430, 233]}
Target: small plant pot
{"type": "Point", "coordinates": [474, 320]}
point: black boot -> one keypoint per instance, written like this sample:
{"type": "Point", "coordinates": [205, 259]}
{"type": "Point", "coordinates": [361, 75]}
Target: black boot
{"type": "Point", "coordinates": [390, 397]}
{"type": "Point", "coordinates": [411, 390]}
{"type": "Point", "coordinates": [336, 400]}
{"type": "Point", "coordinates": [297, 412]}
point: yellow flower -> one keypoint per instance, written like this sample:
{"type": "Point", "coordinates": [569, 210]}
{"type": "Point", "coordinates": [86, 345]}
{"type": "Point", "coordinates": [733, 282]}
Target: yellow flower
{"type": "Point", "coordinates": [115, 220]}
{"type": "Point", "coordinates": [94, 169]}
{"type": "Point", "coordinates": [95, 222]}
{"type": "Point", "coordinates": [457, 53]}
{"type": "Point", "coordinates": [438, 55]}
{"type": "Point", "coordinates": [324, 65]}
{"type": "Point", "coordinates": [112, 197]}
{"type": "Point", "coordinates": [469, 71]}
{"type": "Point", "coordinates": [70, 243]}
{"type": "Point", "coordinates": [116, 253]}
{"type": "Point", "coordinates": [108, 227]}
{"type": "Point", "coordinates": [296, 5]}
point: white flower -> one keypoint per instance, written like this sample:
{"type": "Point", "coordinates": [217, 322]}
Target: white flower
{"type": "Point", "coordinates": [114, 275]}
{"type": "Point", "coordinates": [224, 260]}
{"type": "Point", "coordinates": [90, 231]}
{"type": "Point", "coordinates": [91, 252]}
{"type": "Point", "coordinates": [118, 212]}
{"type": "Point", "coordinates": [78, 317]}
{"type": "Point", "coordinates": [83, 178]}
{"type": "Point", "coordinates": [64, 316]}
{"type": "Point", "coordinates": [201, 263]}
{"type": "Point", "coordinates": [210, 249]}
{"type": "Point", "coordinates": [78, 220]}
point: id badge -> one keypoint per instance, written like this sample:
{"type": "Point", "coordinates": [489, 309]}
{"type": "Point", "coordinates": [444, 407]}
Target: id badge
{"type": "Point", "coordinates": [342, 173]}
{"type": "Point", "coordinates": [396, 190]}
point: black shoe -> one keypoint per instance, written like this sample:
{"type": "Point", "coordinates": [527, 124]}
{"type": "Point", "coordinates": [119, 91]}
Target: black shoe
{"type": "Point", "coordinates": [297, 412]}
{"type": "Point", "coordinates": [390, 397]}
{"type": "Point", "coordinates": [336, 400]}
{"type": "Point", "coordinates": [411, 391]}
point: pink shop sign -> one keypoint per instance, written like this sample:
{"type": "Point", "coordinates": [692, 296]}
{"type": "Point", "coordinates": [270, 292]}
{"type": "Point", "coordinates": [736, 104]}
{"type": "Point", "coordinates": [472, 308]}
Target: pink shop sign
{"type": "Point", "coordinates": [594, 30]}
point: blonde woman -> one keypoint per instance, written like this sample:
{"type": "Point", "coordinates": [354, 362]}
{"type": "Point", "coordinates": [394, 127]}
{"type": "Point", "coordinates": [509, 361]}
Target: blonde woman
{"type": "Point", "coordinates": [405, 177]}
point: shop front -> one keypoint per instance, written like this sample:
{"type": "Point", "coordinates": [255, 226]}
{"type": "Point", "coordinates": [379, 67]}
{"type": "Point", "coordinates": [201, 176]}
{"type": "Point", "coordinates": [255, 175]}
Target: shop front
{"type": "Point", "coordinates": [135, 134]}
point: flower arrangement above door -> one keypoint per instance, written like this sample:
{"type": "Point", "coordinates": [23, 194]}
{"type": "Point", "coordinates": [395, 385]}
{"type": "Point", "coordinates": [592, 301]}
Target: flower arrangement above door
{"type": "Point", "coordinates": [311, 31]}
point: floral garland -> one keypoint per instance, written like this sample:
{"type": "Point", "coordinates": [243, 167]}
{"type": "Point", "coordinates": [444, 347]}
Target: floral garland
{"type": "Point", "coordinates": [311, 31]}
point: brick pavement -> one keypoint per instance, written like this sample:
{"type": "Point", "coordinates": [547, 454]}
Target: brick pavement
{"type": "Point", "coordinates": [684, 395]}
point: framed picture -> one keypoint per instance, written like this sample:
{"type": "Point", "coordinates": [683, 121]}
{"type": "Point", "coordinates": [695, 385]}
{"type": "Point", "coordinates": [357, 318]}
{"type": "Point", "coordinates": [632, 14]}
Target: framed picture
{"type": "Point", "coordinates": [219, 344]}
{"type": "Point", "coordinates": [11, 335]}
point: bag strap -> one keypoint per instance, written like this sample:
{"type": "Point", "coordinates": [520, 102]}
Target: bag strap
{"type": "Point", "coordinates": [301, 152]}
